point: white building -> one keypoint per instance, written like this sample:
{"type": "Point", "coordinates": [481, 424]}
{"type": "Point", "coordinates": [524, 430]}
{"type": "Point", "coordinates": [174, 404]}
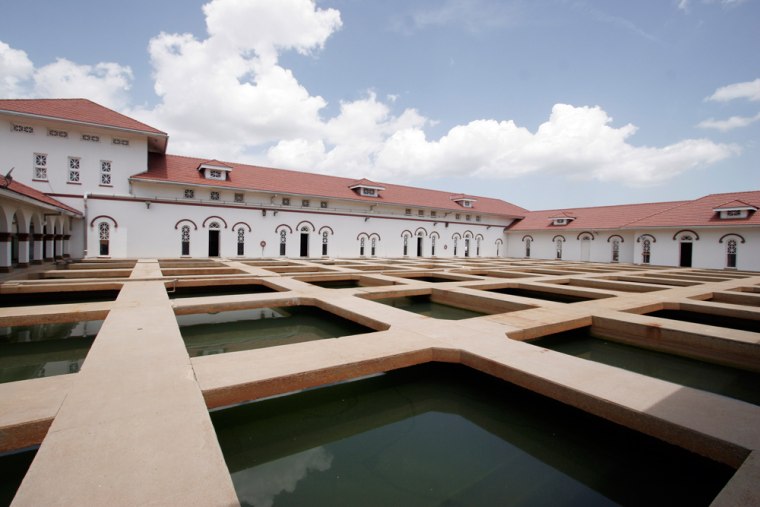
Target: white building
{"type": "Point", "coordinates": [89, 182]}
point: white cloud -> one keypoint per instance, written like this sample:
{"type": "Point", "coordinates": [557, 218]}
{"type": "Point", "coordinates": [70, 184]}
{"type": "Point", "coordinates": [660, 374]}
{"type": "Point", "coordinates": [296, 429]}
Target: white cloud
{"type": "Point", "coordinates": [683, 5]}
{"type": "Point", "coordinates": [15, 69]}
{"type": "Point", "coordinates": [749, 90]}
{"type": "Point", "coordinates": [732, 123]}
{"type": "Point", "coordinates": [472, 15]}
{"type": "Point", "coordinates": [575, 142]}
{"type": "Point", "coordinates": [106, 83]}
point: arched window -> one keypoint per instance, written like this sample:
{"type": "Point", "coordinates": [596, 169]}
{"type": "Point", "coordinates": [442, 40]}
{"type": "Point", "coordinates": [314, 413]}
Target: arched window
{"type": "Point", "coordinates": [283, 241]}
{"type": "Point", "coordinates": [406, 245]}
{"type": "Point", "coordinates": [731, 253]}
{"type": "Point", "coordinates": [615, 250]}
{"type": "Point", "coordinates": [646, 251]}
{"type": "Point", "coordinates": [477, 247]}
{"type": "Point", "coordinates": [185, 240]}
{"type": "Point", "coordinates": [324, 243]}
{"type": "Point", "coordinates": [432, 245]}
{"type": "Point", "coordinates": [373, 246]}
{"type": "Point", "coordinates": [241, 241]}
{"type": "Point", "coordinates": [104, 232]}
{"type": "Point", "coordinates": [558, 243]}
{"type": "Point", "coordinates": [527, 247]}
{"type": "Point", "coordinates": [361, 247]}
{"type": "Point", "coordinates": [455, 246]}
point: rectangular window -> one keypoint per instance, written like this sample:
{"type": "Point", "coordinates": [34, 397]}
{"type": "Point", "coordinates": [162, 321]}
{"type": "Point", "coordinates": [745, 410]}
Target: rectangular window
{"type": "Point", "coordinates": [468, 218]}
{"type": "Point", "coordinates": [214, 196]}
{"type": "Point", "coordinates": [26, 129]}
{"type": "Point", "coordinates": [105, 172]}
{"type": "Point", "coordinates": [477, 218]}
{"type": "Point", "coordinates": [458, 216]}
{"type": "Point", "coordinates": [467, 204]}
{"type": "Point", "coordinates": [323, 204]}
{"type": "Point", "coordinates": [420, 213]}
{"type": "Point", "coordinates": [368, 191]}
{"type": "Point", "coordinates": [215, 174]}
{"type": "Point", "coordinates": [58, 133]}
{"type": "Point", "coordinates": [408, 212]}
{"type": "Point", "coordinates": [286, 201]}
{"type": "Point", "coordinates": [122, 142]}
{"type": "Point", "coordinates": [733, 213]}
{"type": "Point", "coordinates": [305, 203]}
{"type": "Point", "coordinates": [73, 169]}
{"type": "Point", "coordinates": [433, 214]}
{"type": "Point", "coordinates": [91, 138]}
{"type": "Point", "coordinates": [40, 166]}
{"type": "Point", "coordinates": [189, 193]}
{"type": "Point", "coordinates": [239, 198]}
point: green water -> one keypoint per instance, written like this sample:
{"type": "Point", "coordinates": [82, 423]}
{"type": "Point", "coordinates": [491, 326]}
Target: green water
{"type": "Point", "coordinates": [13, 468]}
{"type": "Point", "coordinates": [709, 319]}
{"type": "Point", "coordinates": [538, 294]}
{"type": "Point", "coordinates": [425, 306]}
{"type": "Point", "coordinates": [57, 298]}
{"type": "Point", "coordinates": [443, 435]}
{"type": "Point", "coordinates": [337, 284]}
{"type": "Point", "coordinates": [207, 334]}
{"type": "Point", "coordinates": [218, 290]}
{"type": "Point", "coordinates": [731, 382]}
{"type": "Point", "coordinates": [45, 350]}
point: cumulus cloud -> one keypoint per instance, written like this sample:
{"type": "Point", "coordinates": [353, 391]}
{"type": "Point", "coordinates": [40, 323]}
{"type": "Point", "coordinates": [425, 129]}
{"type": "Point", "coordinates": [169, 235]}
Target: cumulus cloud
{"type": "Point", "coordinates": [749, 90]}
{"type": "Point", "coordinates": [731, 123]}
{"type": "Point", "coordinates": [106, 83]}
{"type": "Point", "coordinates": [576, 142]}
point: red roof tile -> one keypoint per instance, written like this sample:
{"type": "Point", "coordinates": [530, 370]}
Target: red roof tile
{"type": "Point", "coordinates": [735, 204]}
{"type": "Point", "coordinates": [599, 217]}
{"type": "Point", "coordinates": [78, 110]}
{"type": "Point", "coordinates": [179, 169]}
{"type": "Point", "coordinates": [215, 163]}
{"type": "Point", "coordinates": [364, 182]}
{"type": "Point", "coordinates": [700, 212]}
{"type": "Point", "coordinates": [21, 189]}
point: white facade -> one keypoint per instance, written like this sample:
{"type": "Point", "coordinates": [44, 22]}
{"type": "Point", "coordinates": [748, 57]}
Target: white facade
{"type": "Point", "coordinates": [91, 168]}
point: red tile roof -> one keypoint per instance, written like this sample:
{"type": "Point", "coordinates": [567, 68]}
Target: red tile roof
{"type": "Point", "coordinates": [21, 189]}
{"type": "Point", "coordinates": [77, 110]}
{"type": "Point", "coordinates": [364, 182]}
{"type": "Point", "coordinates": [735, 204]}
{"type": "Point", "coordinates": [215, 163]}
{"type": "Point", "coordinates": [599, 217]}
{"type": "Point", "coordinates": [700, 212]}
{"type": "Point", "coordinates": [177, 169]}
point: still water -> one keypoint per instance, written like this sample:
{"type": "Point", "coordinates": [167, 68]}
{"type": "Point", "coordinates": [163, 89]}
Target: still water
{"type": "Point", "coordinates": [45, 350]}
{"type": "Point", "coordinates": [13, 468]}
{"type": "Point", "coordinates": [444, 435]}
{"type": "Point", "coordinates": [207, 333]}
{"type": "Point", "coordinates": [424, 305]}
{"type": "Point", "coordinates": [731, 382]}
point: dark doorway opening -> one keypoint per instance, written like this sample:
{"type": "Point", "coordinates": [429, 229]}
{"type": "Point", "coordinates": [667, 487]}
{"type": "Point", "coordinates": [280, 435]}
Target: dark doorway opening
{"type": "Point", "coordinates": [213, 243]}
{"type": "Point", "coordinates": [304, 244]}
{"type": "Point", "coordinates": [686, 249]}
{"type": "Point", "coordinates": [419, 247]}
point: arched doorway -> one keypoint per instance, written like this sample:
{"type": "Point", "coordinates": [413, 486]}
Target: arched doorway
{"type": "Point", "coordinates": [213, 239]}
{"type": "Point", "coordinates": [304, 251]}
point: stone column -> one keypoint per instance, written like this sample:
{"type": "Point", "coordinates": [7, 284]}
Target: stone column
{"type": "Point", "coordinates": [23, 249]}
{"type": "Point", "coordinates": [66, 246]}
{"type": "Point", "coordinates": [38, 242]}
{"type": "Point", "coordinates": [48, 247]}
{"type": "Point", "coordinates": [5, 252]}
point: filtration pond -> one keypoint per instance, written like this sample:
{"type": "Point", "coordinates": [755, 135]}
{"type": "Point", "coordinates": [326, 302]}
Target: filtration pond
{"type": "Point", "coordinates": [217, 333]}
{"type": "Point", "coordinates": [13, 467]}
{"type": "Point", "coordinates": [437, 435]}
{"type": "Point", "coordinates": [424, 305]}
{"type": "Point", "coordinates": [45, 350]}
{"type": "Point", "coordinates": [731, 382]}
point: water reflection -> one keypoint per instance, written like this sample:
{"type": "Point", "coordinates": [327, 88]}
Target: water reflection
{"type": "Point", "coordinates": [259, 487]}
{"type": "Point", "coordinates": [206, 333]}
{"type": "Point", "coordinates": [731, 382]}
{"type": "Point", "coordinates": [444, 435]}
{"type": "Point", "coordinates": [424, 305]}
{"type": "Point", "coordinates": [45, 350]}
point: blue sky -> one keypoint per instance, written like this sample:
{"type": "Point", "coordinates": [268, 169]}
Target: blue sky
{"type": "Point", "coordinates": [546, 104]}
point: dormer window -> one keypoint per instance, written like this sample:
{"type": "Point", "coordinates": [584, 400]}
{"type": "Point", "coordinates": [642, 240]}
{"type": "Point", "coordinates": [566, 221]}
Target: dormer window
{"type": "Point", "coordinates": [215, 170]}
{"type": "Point", "coordinates": [734, 210]}
{"type": "Point", "coordinates": [464, 200]}
{"type": "Point", "coordinates": [366, 188]}
{"type": "Point", "coordinates": [562, 218]}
